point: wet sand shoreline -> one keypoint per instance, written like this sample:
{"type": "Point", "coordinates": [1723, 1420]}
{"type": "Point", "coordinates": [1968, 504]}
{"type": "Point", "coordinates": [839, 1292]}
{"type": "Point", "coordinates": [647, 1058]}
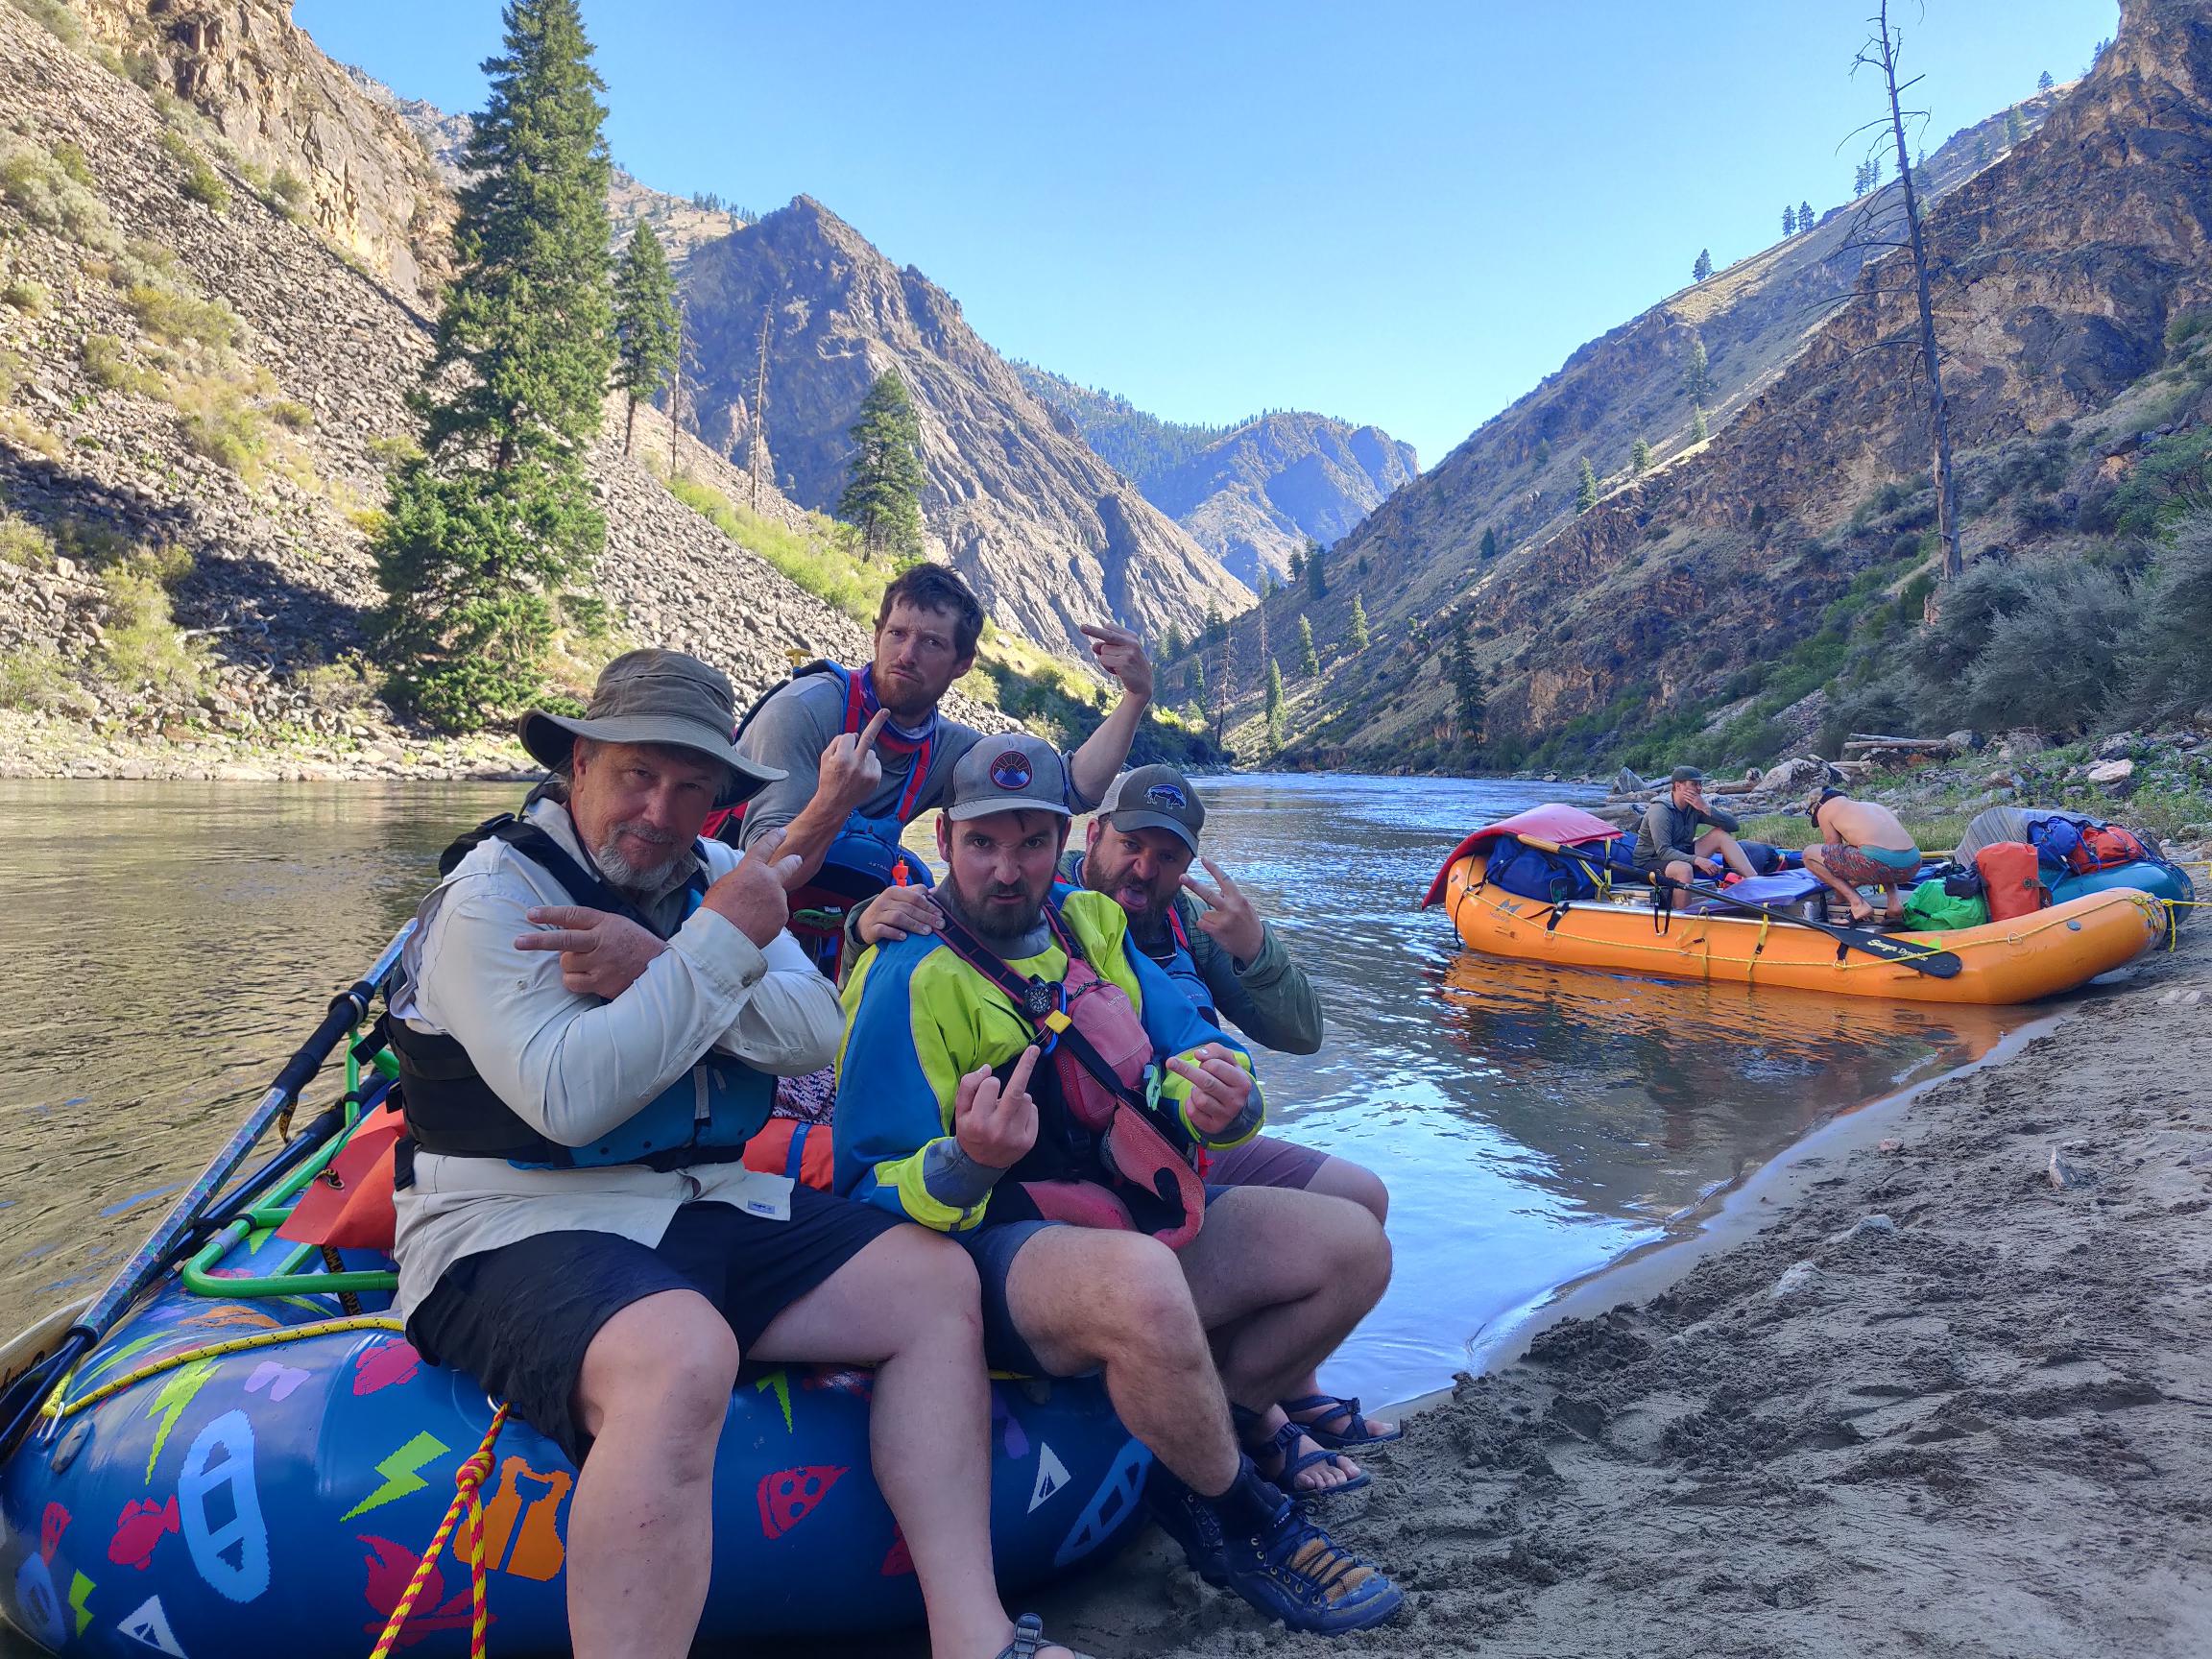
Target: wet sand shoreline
{"type": "Point", "coordinates": [1937, 1382]}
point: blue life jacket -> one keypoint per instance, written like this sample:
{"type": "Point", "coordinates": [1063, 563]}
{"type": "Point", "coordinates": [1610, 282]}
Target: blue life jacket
{"type": "Point", "coordinates": [704, 1116]}
{"type": "Point", "coordinates": [1181, 965]}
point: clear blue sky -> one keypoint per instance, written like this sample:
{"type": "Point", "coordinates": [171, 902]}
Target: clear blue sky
{"type": "Point", "coordinates": [1396, 212]}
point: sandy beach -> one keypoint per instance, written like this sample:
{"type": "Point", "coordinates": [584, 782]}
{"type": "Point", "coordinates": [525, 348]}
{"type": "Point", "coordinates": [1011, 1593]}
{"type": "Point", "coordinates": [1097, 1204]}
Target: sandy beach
{"type": "Point", "coordinates": [1950, 1396]}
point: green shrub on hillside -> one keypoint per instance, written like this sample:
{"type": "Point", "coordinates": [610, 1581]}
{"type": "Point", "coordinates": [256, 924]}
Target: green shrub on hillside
{"type": "Point", "coordinates": [45, 192]}
{"type": "Point", "coordinates": [220, 421]}
{"type": "Point", "coordinates": [2170, 669]}
{"type": "Point", "coordinates": [181, 319]}
{"type": "Point", "coordinates": [2171, 480]}
{"type": "Point", "coordinates": [25, 545]}
{"type": "Point", "coordinates": [31, 678]}
{"type": "Point", "coordinates": [201, 183]}
{"type": "Point", "coordinates": [56, 18]}
{"type": "Point", "coordinates": [2052, 662]}
{"type": "Point", "coordinates": [825, 561]}
{"type": "Point", "coordinates": [108, 368]}
{"type": "Point", "coordinates": [141, 643]}
{"type": "Point", "coordinates": [25, 295]}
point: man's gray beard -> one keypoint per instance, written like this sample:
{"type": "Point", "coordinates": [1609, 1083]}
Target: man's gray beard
{"type": "Point", "coordinates": [650, 883]}
{"type": "Point", "coordinates": [999, 941]}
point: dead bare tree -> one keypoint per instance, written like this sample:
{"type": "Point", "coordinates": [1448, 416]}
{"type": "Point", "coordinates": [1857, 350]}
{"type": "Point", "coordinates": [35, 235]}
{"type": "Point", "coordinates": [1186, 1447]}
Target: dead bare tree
{"type": "Point", "coordinates": [1882, 52]}
{"type": "Point", "coordinates": [759, 447]}
{"type": "Point", "coordinates": [676, 395]}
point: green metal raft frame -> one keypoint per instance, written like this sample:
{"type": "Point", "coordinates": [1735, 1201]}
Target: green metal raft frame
{"type": "Point", "coordinates": [200, 1276]}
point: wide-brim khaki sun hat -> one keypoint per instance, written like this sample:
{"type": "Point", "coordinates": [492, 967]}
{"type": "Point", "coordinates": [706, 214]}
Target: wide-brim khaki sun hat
{"type": "Point", "coordinates": [653, 696]}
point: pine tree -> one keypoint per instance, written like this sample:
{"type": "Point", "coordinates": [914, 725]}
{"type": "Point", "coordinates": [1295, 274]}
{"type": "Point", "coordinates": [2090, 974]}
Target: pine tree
{"type": "Point", "coordinates": [1216, 630]}
{"type": "Point", "coordinates": [1358, 623]}
{"type": "Point", "coordinates": [1697, 376]}
{"type": "Point", "coordinates": [1316, 570]}
{"type": "Point", "coordinates": [1172, 647]}
{"type": "Point", "coordinates": [1804, 215]}
{"type": "Point", "coordinates": [1196, 681]}
{"type": "Point", "coordinates": [2044, 83]}
{"type": "Point", "coordinates": [1489, 541]}
{"type": "Point", "coordinates": [1702, 268]}
{"type": "Point", "coordinates": [2015, 129]}
{"type": "Point", "coordinates": [1789, 221]}
{"type": "Point", "coordinates": [495, 518]}
{"type": "Point", "coordinates": [1267, 586]}
{"type": "Point", "coordinates": [1274, 704]}
{"type": "Point", "coordinates": [1297, 565]}
{"type": "Point", "coordinates": [1858, 181]}
{"type": "Point", "coordinates": [1467, 692]}
{"type": "Point", "coordinates": [1586, 490]}
{"type": "Point", "coordinates": [1874, 171]}
{"type": "Point", "coordinates": [1698, 431]}
{"type": "Point", "coordinates": [1639, 458]}
{"type": "Point", "coordinates": [1981, 149]}
{"type": "Point", "coordinates": [1309, 659]}
{"type": "Point", "coordinates": [884, 493]}
{"type": "Point", "coordinates": [1543, 452]}
{"type": "Point", "coordinates": [645, 323]}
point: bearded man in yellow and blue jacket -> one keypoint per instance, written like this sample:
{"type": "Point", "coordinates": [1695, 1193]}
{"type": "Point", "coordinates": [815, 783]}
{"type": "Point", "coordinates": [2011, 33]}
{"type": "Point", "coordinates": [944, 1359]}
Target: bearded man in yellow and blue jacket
{"type": "Point", "coordinates": [1021, 1078]}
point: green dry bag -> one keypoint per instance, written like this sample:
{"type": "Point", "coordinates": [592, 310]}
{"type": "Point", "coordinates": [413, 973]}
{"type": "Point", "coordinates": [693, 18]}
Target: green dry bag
{"type": "Point", "coordinates": [1928, 908]}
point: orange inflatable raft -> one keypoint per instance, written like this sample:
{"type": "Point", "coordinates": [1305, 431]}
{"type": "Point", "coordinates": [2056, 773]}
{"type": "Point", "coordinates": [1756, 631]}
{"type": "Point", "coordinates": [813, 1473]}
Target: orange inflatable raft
{"type": "Point", "coordinates": [2017, 961]}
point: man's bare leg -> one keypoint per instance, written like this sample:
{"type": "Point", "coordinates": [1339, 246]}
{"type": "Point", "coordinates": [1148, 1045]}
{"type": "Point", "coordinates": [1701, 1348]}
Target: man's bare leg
{"type": "Point", "coordinates": [1731, 853]}
{"type": "Point", "coordinates": [1279, 1278]}
{"type": "Point", "coordinates": [1341, 1178]}
{"type": "Point", "coordinates": [909, 1304]}
{"type": "Point", "coordinates": [652, 1393]}
{"type": "Point", "coordinates": [1087, 1299]}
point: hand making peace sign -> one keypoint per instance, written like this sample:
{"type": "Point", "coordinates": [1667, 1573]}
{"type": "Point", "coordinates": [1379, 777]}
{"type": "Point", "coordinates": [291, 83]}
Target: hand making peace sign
{"type": "Point", "coordinates": [1234, 925]}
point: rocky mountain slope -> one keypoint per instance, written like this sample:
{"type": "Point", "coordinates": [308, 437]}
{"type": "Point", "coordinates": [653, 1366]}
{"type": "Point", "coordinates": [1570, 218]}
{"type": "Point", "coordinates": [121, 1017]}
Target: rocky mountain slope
{"type": "Point", "coordinates": [198, 398]}
{"type": "Point", "coordinates": [1014, 499]}
{"type": "Point", "coordinates": [2062, 269]}
{"type": "Point", "coordinates": [1251, 494]}
{"type": "Point", "coordinates": [1418, 557]}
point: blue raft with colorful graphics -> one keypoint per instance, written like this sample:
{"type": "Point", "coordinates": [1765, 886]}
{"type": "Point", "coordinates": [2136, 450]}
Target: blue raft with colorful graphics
{"type": "Point", "coordinates": [253, 1459]}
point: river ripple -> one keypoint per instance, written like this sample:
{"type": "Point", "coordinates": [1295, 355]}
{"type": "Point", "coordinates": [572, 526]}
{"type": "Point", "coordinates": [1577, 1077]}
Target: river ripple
{"type": "Point", "coordinates": [168, 944]}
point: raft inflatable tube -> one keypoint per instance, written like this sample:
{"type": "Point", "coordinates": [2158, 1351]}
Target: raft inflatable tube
{"type": "Point", "coordinates": [244, 1464]}
{"type": "Point", "coordinates": [2001, 962]}
{"type": "Point", "coordinates": [2156, 878]}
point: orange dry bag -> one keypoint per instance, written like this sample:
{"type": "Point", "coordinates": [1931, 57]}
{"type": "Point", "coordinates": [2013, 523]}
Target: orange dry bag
{"type": "Point", "coordinates": [2011, 879]}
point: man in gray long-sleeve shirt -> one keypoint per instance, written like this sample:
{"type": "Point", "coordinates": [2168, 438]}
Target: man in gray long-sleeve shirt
{"type": "Point", "coordinates": [1669, 841]}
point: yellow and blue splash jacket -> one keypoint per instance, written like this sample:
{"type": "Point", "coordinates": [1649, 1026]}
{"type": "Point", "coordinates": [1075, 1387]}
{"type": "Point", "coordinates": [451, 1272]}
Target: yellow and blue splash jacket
{"type": "Point", "coordinates": [917, 1018]}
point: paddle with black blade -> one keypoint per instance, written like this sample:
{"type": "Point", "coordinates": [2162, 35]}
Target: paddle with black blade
{"type": "Point", "coordinates": [20, 1406]}
{"type": "Point", "coordinates": [1936, 964]}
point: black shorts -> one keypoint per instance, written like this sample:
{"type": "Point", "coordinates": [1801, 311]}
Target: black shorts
{"type": "Point", "coordinates": [518, 1318]}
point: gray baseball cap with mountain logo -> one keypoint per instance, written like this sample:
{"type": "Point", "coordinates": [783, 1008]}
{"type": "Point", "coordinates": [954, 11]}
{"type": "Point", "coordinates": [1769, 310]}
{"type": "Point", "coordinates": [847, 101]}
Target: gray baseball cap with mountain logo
{"type": "Point", "coordinates": [1155, 797]}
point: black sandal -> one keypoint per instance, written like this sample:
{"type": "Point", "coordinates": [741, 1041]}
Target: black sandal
{"type": "Point", "coordinates": [1283, 1444]}
{"type": "Point", "coordinates": [1028, 1638]}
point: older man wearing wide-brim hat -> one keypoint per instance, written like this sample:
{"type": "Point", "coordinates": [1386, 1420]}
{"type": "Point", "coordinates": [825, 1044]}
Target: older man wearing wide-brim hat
{"type": "Point", "coordinates": [594, 1008]}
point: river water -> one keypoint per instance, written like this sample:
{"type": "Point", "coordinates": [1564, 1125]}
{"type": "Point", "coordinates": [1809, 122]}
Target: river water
{"type": "Point", "coordinates": [167, 946]}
